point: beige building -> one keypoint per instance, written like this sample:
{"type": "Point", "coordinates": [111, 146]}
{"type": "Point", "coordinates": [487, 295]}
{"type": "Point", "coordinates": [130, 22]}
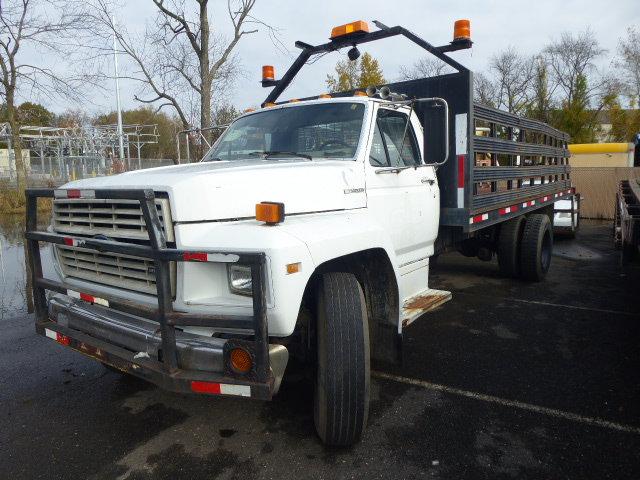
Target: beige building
{"type": "Point", "coordinates": [601, 154]}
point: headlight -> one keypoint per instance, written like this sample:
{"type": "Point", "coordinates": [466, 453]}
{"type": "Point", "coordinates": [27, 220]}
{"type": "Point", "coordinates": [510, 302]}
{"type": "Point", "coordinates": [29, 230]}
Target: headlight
{"type": "Point", "coordinates": [239, 279]}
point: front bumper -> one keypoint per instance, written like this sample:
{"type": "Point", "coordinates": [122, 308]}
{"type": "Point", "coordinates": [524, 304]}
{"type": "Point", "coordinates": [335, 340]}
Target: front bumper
{"type": "Point", "coordinates": [134, 345]}
{"type": "Point", "coordinates": [145, 341]}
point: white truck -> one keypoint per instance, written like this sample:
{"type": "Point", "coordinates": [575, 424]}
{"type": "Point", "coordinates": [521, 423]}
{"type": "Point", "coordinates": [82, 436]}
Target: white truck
{"type": "Point", "coordinates": [305, 232]}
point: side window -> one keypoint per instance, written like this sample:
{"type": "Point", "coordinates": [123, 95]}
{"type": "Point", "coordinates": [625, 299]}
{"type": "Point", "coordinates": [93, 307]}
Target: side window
{"type": "Point", "coordinates": [388, 147]}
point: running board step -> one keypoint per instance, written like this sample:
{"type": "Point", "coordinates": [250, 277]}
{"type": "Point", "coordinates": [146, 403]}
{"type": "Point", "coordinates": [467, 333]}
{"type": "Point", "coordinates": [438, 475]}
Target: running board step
{"type": "Point", "coordinates": [422, 303]}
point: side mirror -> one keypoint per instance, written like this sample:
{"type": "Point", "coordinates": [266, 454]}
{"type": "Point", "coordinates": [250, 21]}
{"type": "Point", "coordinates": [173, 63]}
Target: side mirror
{"type": "Point", "coordinates": [436, 132]}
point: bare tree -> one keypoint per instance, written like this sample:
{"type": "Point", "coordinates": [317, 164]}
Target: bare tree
{"type": "Point", "coordinates": [179, 61]}
{"type": "Point", "coordinates": [513, 75]}
{"type": "Point", "coordinates": [45, 25]}
{"type": "Point", "coordinates": [573, 57]}
{"type": "Point", "coordinates": [485, 91]}
{"type": "Point", "coordinates": [629, 51]}
{"type": "Point", "coordinates": [424, 68]}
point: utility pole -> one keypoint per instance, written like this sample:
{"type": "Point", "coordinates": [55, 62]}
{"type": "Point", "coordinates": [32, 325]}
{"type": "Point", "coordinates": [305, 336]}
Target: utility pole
{"type": "Point", "coordinates": [118, 106]}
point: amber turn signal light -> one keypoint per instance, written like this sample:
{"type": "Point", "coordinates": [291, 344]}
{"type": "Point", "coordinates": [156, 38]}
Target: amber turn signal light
{"type": "Point", "coordinates": [270, 212]}
{"type": "Point", "coordinates": [268, 72]}
{"type": "Point", "coordinates": [240, 360]}
{"type": "Point", "coordinates": [462, 30]}
{"type": "Point", "coordinates": [349, 29]}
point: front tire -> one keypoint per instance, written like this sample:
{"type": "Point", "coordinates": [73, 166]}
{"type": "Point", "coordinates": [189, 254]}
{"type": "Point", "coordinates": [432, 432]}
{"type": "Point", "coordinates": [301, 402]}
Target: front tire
{"type": "Point", "coordinates": [341, 400]}
{"type": "Point", "coordinates": [537, 247]}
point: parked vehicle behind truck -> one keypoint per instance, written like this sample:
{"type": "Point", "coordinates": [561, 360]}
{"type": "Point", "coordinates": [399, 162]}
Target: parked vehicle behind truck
{"type": "Point", "coordinates": [305, 232]}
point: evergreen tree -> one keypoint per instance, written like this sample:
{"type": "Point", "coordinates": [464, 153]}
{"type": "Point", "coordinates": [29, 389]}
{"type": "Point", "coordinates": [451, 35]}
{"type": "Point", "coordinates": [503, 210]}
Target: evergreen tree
{"type": "Point", "coordinates": [360, 73]}
{"type": "Point", "coordinates": [575, 117]}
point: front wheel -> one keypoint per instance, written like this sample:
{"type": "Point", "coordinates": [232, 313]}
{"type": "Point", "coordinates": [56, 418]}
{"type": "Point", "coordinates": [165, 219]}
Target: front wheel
{"type": "Point", "coordinates": [341, 400]}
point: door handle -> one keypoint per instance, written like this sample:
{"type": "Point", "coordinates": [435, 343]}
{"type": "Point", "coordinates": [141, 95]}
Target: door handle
{"type": "Point", "coordinates": [430, 181]}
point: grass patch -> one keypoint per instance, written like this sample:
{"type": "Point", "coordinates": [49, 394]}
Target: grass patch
{"type": "Point", "coordinates": [13, 200]}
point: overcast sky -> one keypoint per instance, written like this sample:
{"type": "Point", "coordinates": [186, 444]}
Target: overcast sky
{"type": "Point", "coordinates": [495, 24]}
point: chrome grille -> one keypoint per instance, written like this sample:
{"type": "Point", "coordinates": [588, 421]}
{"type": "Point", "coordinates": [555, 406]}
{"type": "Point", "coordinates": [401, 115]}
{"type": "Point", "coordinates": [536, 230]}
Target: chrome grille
{"type": "Point", "coordinates": [121, 220]}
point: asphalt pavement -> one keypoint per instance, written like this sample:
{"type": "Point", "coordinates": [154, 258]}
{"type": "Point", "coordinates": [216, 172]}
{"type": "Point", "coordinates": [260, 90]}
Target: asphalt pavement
{"type": "Point", "coordinates": [508, 380]}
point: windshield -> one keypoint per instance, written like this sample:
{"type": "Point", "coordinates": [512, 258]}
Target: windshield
{"type": "Point", "coordinates": [329, 130]}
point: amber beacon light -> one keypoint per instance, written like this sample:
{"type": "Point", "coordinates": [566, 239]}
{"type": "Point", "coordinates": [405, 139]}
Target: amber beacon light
{"type": "Point", "coordinates": [462, 30]}
{"type": "Point", "coordinates": [268, 72]}
{"type": "Point", "coordinates": [352, 28]}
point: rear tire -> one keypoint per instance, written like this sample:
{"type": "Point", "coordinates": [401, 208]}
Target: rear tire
{"type": "Point", "coordinates": [509, 246]}
{"type": "Point", "coordinates": [341, 400]}
{"type": "Point", "coordinates": [537, 247]}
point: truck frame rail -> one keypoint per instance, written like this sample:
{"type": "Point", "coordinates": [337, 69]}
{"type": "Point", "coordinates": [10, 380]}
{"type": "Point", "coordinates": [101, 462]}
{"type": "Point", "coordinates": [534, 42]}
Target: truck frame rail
{"type": "Point", "coordinates": [163, 371]}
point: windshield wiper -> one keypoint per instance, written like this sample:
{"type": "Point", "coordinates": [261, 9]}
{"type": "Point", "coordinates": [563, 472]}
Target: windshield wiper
{"type": "Point", "coordinates": [269, 153]}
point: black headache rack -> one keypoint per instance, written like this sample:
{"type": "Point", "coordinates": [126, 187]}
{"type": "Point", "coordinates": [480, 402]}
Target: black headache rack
{"type": "Point", "coordinates": [163, 371]}
{"type": "Point", "coordinates": [500, 165]}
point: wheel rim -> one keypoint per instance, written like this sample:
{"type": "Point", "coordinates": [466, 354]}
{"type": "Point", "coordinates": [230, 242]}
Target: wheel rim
{"type": "Point", "coordinates": [545, 256]}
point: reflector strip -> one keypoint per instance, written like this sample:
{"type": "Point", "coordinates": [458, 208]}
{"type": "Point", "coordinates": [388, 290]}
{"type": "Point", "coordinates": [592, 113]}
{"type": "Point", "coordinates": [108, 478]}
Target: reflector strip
{"type": "Point", "coordinates": [74, 193]}
{"type": "Point", "coordinates": [210, 257]}
{"type": "Point", "coordinates": [529, 204]}
{"type": "Point", "coordinates": [194, 257]}
{"type": "Point", "coordinates": [461, 153]}
{"type": "Point", "coordinates": [461, 159]}
{"type": "Point", "coordinates": [72, 242]}
{"type": "Point", "coordinates": [221, 389]}
{"type": "Point", "coordinates": [511, 209]}
{"type": "Point", "coordinates": [88, 298]}
{"type": "Point", "coordinates": [460, 198]}
{"type": "Point", "coordinates": [478, 218]}
{"type": "Point", "coordinates": [58, 337]}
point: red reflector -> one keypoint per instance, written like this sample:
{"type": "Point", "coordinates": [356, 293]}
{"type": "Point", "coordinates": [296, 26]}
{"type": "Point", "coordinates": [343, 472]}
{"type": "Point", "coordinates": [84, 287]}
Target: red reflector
{"type": "Point", "coordinates": [461, 159]}
{"type": "Point", "coordinates": [197, 256]}
{"type": "Point", "coordinates": [87, 298]}
{"type": "Point", "coordinates": [205, 387]}
{"type": "Point", "coordinates": [62, 339]}
{"type": "Point", "coordinates": [68, 241]}
{"type": "Point", "coordinates": [73, 193]}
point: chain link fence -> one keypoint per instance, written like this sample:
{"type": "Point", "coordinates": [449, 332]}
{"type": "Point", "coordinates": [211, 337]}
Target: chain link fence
{"type": "Point", "coordinates": [55, 172]}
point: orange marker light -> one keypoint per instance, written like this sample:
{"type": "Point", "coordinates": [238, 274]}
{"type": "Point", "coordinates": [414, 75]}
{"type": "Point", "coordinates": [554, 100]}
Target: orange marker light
{"type": "Point", "coordinates": [349, 29]}
{"type": "Point", "coordinates": [250, 110]}
{"type": "Point", "coordinates": [324, 95]}
{"type": "Point", "coordinates": [269, 104]}
{"type": "Point", "coordinates": [240, 360]}
{"type": "Point", "coordinates": [462, 30]}
{"type": "Point", "coordinates": [358, 93]}
{"type": "Point", "coordinates": [268, 72]}
{"type": "Point", "coordinates": [293, 268]}
{"type": "Point", "coordinates": [270, 212]}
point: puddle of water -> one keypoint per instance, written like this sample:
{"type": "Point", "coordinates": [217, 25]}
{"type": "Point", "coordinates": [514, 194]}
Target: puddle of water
{"type": "Point", "coordinates": [13, 295]}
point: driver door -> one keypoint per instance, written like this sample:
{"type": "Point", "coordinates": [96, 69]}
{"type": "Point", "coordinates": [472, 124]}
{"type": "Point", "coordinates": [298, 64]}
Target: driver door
{"type": "Point", "coordinates": [402, 194]}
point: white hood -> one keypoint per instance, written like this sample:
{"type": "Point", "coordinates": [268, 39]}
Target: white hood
{"type": "Point", "coordinates": [227, 190]}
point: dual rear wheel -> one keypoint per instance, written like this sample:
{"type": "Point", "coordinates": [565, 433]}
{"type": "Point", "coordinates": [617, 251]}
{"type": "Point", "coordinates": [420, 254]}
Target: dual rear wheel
{"type": "Point", "coordinates": [525, 246]}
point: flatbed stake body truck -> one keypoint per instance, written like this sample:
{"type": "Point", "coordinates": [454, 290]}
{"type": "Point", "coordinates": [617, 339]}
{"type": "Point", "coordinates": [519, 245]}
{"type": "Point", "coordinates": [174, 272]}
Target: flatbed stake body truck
{"type": "Point", "coordinates": [304, 235]}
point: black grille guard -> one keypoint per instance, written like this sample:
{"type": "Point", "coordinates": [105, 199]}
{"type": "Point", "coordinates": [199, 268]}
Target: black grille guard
{"type": "Point", "coordinates": [165, 369]}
